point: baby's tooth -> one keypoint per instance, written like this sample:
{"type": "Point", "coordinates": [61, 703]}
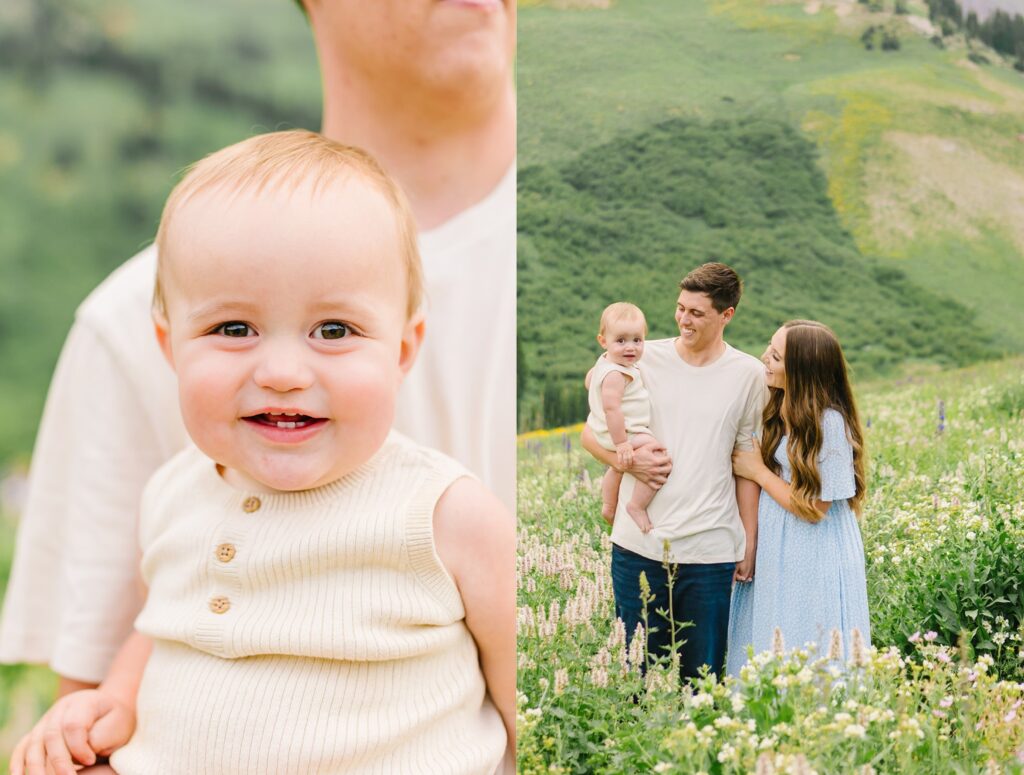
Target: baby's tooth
{"type": "Point", "coordinates": [288, 425]}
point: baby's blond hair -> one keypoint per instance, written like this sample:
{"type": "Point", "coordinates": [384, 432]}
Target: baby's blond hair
{"type": "Point", "coordinates": [621, 310]}
{"type": "Point", "coordinates": [289, 159]}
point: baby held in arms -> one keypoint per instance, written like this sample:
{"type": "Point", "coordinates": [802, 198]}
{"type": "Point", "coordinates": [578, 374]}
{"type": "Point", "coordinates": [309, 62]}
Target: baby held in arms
{"type": "Point", "coordinates": [324, 595]}
{"type": "Point", "coordinates": [620, 408]}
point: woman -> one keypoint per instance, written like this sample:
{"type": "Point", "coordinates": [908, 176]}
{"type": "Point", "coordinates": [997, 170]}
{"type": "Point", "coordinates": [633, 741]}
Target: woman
{"type": "Point", "coordinates": [810, 466]}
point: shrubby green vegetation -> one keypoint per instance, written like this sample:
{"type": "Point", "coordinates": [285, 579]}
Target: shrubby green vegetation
{"type": "Point", "coordinates": [939, 691]}
{"type": "Point", "coordinates": [626, 220]}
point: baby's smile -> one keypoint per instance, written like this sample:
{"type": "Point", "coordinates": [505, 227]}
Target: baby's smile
{"type": "Point", "coordinates": [290, 427]}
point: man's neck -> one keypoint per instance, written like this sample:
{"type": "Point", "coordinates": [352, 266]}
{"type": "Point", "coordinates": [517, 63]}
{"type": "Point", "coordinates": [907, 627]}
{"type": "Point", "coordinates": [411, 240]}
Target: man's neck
{"type": "Point", "coordinates": [445, 160]}
{"type": "Point", "coordinates": [705, 356]}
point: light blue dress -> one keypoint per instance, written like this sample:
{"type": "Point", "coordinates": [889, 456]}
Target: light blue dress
{"type": "Point", "coordinates": [808, 578]}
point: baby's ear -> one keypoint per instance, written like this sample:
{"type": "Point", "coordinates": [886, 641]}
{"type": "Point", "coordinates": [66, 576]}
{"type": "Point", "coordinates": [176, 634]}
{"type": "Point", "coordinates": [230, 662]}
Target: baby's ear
{"type": "Point", "coordinates": [412, 338]}
{"type": "Point", "coordinates": [600, 341]}
{"type": "Point", "coordinates": [163, 334]}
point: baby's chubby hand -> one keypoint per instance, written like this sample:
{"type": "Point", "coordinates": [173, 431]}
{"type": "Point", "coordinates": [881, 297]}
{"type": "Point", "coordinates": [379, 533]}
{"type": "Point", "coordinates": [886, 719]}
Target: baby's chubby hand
{"type": "Point", "coordinates": [624, 452]}
{"type": "Point", "coordinates": [78, 728]}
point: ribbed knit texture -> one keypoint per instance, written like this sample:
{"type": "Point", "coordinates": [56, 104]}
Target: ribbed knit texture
{"type": "Point", "coordinates": [635, 403]}
{"type": "Point", "coordinates": [344, 647]}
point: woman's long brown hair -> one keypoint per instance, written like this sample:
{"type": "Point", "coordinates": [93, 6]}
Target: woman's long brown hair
{"type": "Point", "coordinates": [816, 380]}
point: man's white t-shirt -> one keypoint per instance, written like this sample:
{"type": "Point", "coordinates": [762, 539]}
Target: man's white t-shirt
{"type": "Point", "coordinates": [699, 414]}
{"type": "Point", "coordinates": [112, 418]}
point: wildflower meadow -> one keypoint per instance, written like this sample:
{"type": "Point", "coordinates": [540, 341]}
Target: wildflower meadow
{"type": "Point", "coordinates": [939, 689]}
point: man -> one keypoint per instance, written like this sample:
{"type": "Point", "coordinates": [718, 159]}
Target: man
{"type": "Point", "coordinates": [427, 88]}
{"type": "Point", "coordinates": [706, 399]}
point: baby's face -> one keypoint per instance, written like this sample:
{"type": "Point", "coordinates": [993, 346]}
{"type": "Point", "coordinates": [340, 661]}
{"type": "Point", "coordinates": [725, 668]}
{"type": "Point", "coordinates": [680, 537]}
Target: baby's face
{"type": "Point", "coordinates": [624, 341]}
{"type": "Point", "coordinates": [287, 328]}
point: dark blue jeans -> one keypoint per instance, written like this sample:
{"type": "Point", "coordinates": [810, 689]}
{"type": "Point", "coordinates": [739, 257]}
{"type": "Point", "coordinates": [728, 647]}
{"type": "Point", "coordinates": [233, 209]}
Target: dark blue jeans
{"type": "Point", "coordinates": [700, 594]}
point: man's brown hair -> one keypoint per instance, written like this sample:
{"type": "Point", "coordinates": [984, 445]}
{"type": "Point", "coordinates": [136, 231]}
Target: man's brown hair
{"type": "Point", "coordinates": [718, 281]}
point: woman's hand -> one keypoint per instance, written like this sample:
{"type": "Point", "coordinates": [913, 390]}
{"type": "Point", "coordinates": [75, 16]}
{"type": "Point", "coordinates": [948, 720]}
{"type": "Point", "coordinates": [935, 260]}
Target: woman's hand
{"type": "Point", "coordinates": [748, 463]}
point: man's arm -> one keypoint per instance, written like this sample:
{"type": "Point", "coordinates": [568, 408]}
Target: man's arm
{"type": "Point", "coordinates": [748, 493]}
{"type": "Point", "coordinates": [71, 598]}
{"type": "Point", "coordinates": [474, 535]}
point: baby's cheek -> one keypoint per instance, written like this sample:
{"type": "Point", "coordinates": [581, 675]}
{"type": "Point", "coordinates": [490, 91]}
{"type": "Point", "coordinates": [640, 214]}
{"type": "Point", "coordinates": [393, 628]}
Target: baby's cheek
{"type": "Point", "coordinates": [366, 392]}
{"type": "Point", "coordinates": [208, 403]}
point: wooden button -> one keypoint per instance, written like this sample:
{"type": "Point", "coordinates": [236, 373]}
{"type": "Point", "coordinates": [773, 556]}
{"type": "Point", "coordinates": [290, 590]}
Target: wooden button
{"type": "Point", "coordinates": [219, 605]}
{"type": "Point", "coordinates": [251, 504]}
{"type": "Point", "coordinates": [225, 552]}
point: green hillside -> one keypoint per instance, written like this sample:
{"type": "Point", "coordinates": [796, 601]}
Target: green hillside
{"type": "Point", "coordinates": [102, 103]}
{"type": "Point", "coordinates": [629, 218]}
{"type": "Point", "coordinates": [920, 150]}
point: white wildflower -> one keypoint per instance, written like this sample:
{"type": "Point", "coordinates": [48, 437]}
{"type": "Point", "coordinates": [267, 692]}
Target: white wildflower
{"type": "Point", "coordinates": [778, 644]}
{"type": "Point", "coordinates": [855, 730]}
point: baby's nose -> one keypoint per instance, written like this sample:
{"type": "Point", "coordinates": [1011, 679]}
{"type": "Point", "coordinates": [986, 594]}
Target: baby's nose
{"type": "Point", "coordinates": [283, 369]}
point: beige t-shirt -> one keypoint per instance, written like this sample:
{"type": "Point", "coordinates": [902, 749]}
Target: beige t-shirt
{"type": "Point", "coordinates": [700, 414]}
{"type": "Point", "coordinates": [635, 405]}
{"type": "Point", "coordinates": [112, 418]}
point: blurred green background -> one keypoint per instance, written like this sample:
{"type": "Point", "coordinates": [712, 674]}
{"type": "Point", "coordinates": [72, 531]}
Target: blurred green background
{"type": "Point", "coordinates": [102, 103]}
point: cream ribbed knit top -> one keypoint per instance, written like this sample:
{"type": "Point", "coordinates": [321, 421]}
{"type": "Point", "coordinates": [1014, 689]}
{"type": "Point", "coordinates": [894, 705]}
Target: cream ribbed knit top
{"type": "Point", "coordinates": [308, 632]}
{"type": "Point", "coordinates": [635, 406]}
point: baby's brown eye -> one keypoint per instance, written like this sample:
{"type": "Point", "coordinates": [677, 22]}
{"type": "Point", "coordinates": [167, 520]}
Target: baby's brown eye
{"type": "Point", "coordinates": [331, 330]}
{"type": "Point", "coordinates": [234, 329]}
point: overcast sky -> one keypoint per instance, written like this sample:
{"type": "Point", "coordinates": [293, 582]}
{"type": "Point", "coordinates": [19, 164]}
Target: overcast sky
{"type": "Point", "coordinates": [984, 7]}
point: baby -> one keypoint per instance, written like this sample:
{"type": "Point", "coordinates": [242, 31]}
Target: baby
{"type": "Point", "coordinates": [620, 409]}
{"type": "Point", "coordinates": [324, 595]}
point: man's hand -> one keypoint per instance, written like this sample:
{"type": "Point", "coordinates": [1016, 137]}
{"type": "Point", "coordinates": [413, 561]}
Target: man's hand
{"type": "Point", "coordinates": [78, 728]}
{"type": "Point", "coordinates": [624, 452]}
{"type": "Point", "coordinates": [651, 465]}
